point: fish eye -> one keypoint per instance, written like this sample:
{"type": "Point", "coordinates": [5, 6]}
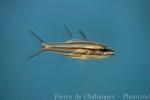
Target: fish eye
{"type": "Point", "coordinates": [105, 50]}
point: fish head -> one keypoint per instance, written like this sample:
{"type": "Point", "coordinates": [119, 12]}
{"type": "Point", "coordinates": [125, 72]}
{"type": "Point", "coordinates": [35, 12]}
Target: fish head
{"type": "Point", "coordinates": [107, 51]}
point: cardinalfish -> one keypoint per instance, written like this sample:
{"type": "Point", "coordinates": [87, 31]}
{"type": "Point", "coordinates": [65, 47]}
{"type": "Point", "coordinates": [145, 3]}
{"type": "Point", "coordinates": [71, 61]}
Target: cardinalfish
{"type": "Point", "coordinates": [75, 48]}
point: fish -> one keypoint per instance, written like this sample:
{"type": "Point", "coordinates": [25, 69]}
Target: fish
{"type": "Point", "coordinates": [82, 49]}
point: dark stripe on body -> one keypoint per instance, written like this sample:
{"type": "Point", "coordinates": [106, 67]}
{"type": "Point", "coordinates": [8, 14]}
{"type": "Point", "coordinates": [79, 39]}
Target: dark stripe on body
{"type": "Point", "coordinates": [80, 43]}
{"type": "Point", "coordinates": [82, 53]}
{"type": "Point", "coordinates": [76, 48]}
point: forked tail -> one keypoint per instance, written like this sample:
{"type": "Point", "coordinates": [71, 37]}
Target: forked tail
{"type": "Point", "coordinates": [43, 43]}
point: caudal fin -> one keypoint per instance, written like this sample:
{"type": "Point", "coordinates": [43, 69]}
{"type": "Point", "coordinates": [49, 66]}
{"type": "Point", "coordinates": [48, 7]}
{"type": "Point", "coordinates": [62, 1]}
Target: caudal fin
{"type": "Point", "coordinates": [43, 43]}
{"type": "Point", "coordinates": [38, 38]}
{"type": "Point", "coordinates": [35, 54]}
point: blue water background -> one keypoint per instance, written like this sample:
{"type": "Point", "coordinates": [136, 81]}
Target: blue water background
{"type": "Point", "coordinates": [124, 25]}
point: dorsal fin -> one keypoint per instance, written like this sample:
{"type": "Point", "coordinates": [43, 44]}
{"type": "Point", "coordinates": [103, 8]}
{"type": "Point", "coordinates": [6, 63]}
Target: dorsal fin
{"type": "Point", "coordinates": [82, 34]}
{"type": "Point", "coordinates": [69, 31]}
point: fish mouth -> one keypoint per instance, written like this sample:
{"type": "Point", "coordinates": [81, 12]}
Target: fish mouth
{"type": "Point", "coordinates": [111, 52]}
